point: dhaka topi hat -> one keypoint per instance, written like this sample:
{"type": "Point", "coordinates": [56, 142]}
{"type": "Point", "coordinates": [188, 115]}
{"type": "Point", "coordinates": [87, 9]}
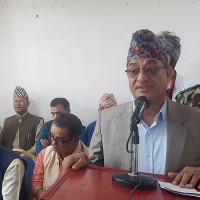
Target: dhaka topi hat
{"type": "Point", "coordinates": [145, 44]}
{"type": "Point", "coordinates": [20, 92]}
{"type": "Point", "coordinates": [108, 100]}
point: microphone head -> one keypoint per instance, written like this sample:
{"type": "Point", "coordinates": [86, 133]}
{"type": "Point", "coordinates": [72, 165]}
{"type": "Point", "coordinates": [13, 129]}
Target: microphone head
{"type": "Point", "coordinates": [144, 100]}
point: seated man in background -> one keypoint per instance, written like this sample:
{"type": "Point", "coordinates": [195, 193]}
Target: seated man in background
{"type": "Point", "coordinates": [106, 101]}
{"type": "Point", "coordinates": [65, 135]}
{"type": "Point", "coordinates": [177, 83]}
{"type": "Point", "coordinates": [11, 175]}
{"type": "Point", "coordinates": [58, 106]}
{"type": "Point", "coordinates": [21, 130]}
{"type": "Point", "coordinates": [169, 132]}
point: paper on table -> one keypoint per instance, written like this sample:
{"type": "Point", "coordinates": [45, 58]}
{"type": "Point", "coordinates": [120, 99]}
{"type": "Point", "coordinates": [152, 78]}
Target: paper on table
{"type": "Point", "coordinates": [176, 189]}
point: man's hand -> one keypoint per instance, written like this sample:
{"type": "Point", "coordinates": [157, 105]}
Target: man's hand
{"type": "Point", "coordinates": [189, 175]}
{"type": "Point", "coordinates": [75, 161]}
{"type": "Point", "coordinates": [40, 193]}
{"type": "Point", "coordinates": [35, 192]}
{"type": "Point", "coordinates": [44, 142]}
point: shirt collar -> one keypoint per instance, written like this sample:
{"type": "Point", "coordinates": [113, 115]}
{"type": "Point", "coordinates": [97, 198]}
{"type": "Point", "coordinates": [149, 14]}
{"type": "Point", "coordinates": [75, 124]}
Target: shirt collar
{"type": "Point", "coordinates": [162, 114]}
{"type": "Point", "coordinates": [23, 116]}
{"type": "Point", "coordinates": [169, 91]}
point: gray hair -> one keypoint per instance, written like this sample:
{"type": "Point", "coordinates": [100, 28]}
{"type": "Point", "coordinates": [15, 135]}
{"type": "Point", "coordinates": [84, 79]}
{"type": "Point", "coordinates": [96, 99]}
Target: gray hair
{"type": "Point", "coordinates": [172, 45]}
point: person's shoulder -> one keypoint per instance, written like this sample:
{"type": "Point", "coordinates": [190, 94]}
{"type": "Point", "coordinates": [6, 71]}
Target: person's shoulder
{"type": "Point", "coordinates": [10, 118]}
{"type": "Point", "coordinates": [42, 153]}
{"type": "Point", "coordinates": [187, 110]}
{"type": "Point", "coordinates": [35, 117]}
{"type": "Point", "coordinates": [49, 151]}
{"type": "Point", "coordinates": [49, 123]}
{"type": "Point", "coordinates": [186, 82]}
{"type": "Point", "coordinates": [18, 161]}
{"type": "Point", "coordinates": [118, 107]}
{"type": "Point", "coordinates": [8, 152]}
{"type": "Point", "coordinates": [5, 149]}
{"type": "Point", "coordinates": [92, 124]}
{"type": "Point", "coordinates": [121, 110]}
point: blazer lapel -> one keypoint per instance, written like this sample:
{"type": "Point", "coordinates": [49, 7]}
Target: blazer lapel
{"type": "Point", "coordinates": [176, 137]}
{"type": "Point", "coordinates": [123, 131]}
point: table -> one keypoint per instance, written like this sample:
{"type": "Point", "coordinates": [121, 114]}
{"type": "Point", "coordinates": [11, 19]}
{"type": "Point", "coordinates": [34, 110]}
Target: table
{"type": "Point", "coordinates": [95, 183]}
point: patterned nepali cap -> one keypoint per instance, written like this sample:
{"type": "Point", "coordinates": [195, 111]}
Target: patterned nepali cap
{"type": "Point", "coordinates": [145, 44]}
{"type": "Point", "coordinates": [108, 100]}
{"type": "Point", "coordinates": [20, 92]}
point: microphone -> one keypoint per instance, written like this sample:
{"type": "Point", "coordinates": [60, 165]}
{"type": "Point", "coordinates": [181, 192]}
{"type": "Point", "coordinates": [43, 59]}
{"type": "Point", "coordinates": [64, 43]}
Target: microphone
{"type": "Point", "coordinates": [141, 104]}
{"type": "Point", "coordinates": [133, 179]}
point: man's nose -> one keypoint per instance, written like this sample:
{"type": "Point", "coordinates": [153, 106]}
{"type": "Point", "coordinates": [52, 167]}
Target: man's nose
{"type": "Point", "coordinates": [142, 75]}
{"type": "Point", "coordinates": [18, 103]}
{"type": "Point", "coordinates": [55, 116]}
{"type": "Point", "coordinates": [53, 141]}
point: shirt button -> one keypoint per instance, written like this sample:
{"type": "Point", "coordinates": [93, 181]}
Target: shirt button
{"type": "Point", "coordinates": [53, 179]}
{"type": "Point", "coordinates": [148, 155]}
{"type": "Point", "coordinates": [148, 132]}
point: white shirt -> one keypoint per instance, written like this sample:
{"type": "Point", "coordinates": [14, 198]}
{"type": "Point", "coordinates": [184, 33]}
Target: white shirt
{"type": "Point", "coordinates": [13, 177]}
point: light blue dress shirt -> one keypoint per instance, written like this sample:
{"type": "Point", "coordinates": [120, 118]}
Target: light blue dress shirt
{"type": "Point", "coordinates": [153, 143]}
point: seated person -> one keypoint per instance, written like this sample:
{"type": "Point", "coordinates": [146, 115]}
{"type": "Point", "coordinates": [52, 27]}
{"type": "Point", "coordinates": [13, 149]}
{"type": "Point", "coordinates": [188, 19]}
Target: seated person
{"type": "Point", "coordinates": [11, 174]}
{"type": "Point", "coordinates": [65, 135]}
{"type": "Point", "coordinates": [106, 101]}
{"type": "Point", "coordinates": [177, 83]}
{"type": "Point", "coordinates": [58, 105]}
{"type": "Point", "coordinates": [20, 131]}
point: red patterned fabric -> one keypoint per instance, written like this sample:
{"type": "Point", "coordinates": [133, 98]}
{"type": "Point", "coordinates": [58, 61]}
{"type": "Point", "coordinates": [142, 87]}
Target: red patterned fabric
{"type": "Point", "coordinates": [171, 88]}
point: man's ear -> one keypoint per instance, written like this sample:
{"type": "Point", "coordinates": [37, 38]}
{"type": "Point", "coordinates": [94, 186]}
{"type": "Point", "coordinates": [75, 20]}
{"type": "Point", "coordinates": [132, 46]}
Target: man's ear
{"type": "Point", "coordinates": [169, 59]}
{"type": "Point", "coordinates": [169, 68]}
{"type": "Point", "coordinates": [28, 102]}
{"type": "Point", "coordinates": [77, 138]}
{"type": "Point", "coordinates": [169, 73]}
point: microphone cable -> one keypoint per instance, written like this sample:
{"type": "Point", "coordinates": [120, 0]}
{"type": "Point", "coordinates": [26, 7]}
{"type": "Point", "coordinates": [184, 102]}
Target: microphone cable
{"type": "Point", "coordinates": [129, 151]}
{"type": "Point", "coordinates": [135, 188]}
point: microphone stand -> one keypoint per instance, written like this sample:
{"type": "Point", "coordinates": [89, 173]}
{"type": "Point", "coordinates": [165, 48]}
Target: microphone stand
{"type": "Point", "coordinates": [134, 179]}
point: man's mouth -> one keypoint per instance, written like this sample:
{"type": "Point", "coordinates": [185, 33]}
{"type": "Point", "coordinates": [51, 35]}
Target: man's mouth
{"type": "Point", "coordinates": [143, 87]}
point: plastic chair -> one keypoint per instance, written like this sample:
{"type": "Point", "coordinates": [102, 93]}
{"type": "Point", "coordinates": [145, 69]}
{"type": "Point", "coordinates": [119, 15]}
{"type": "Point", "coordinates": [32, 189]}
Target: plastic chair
{"type": "Point", "coordinates": [25, 153]}
{"type": "Point", "coordinates": [29, 170]}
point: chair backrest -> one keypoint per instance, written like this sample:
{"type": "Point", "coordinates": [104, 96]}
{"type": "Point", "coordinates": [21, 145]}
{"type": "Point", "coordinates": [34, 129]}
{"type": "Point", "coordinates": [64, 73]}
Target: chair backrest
{"type": "Point", "coordinates": [83, 135]}
{"type": "Point", "coordinates": [28, 172]}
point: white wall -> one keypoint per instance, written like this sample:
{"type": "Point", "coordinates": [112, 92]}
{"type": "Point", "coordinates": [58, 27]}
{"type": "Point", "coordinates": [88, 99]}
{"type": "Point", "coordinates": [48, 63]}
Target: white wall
{"type": "Point", "coordinates": [77, 48]}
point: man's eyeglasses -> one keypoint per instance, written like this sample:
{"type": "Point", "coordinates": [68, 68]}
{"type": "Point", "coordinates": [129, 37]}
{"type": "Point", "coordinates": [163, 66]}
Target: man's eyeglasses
{"type": "Point", "coordinates": [58, 139]}
{"type": "Point", "coordinates": [151, 71]}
